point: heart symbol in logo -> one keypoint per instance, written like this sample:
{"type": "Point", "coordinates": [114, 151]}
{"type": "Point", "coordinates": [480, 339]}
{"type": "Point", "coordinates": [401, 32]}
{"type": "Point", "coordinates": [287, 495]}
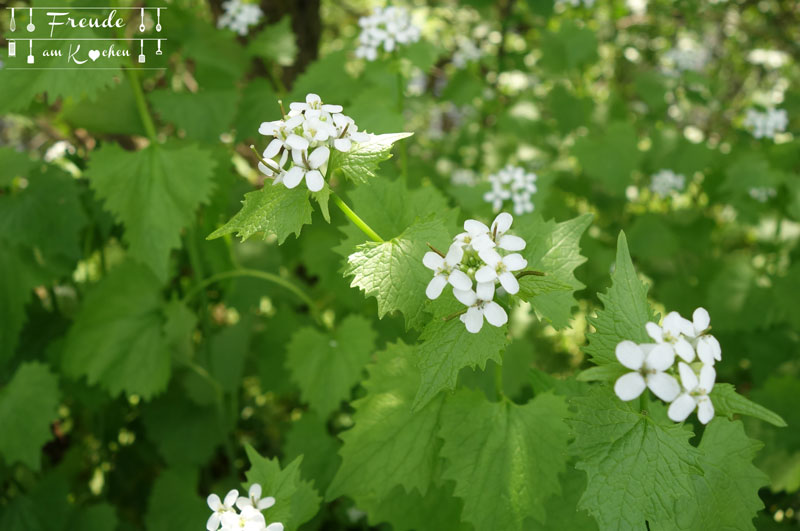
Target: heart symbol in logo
{"type": "Point", "coordinates": [94, 54]}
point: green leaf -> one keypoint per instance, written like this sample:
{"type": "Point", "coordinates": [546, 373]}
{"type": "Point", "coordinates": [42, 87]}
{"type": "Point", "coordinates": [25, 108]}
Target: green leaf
{"type": "Point", "coordinates": [602, 373]}
{"type": "Point", "coordinates": [625, 310]}
{"type": "Point", "coordinates": [17, 281]}
{"type": "Point", "coordinates": [184, 432]}
{"type": "Point", "coordinates": [28, 405]}
{"type": "Point", "coordinates": [97, 517]}
{"type": "Point", "coordinates": [259, 104]}
{"type": "Point", "coordinates": [117, 339]}
{"type": "Point", "coordinates": [15, 164]}
{"type": "Point", "coordinates": [308, 437]}
{"type": "Point", "coordinates": [438, 510]}
{"type": "Point", "coordinates": [167, 183]}
{"type": "Point", "coordinates": [553, 248]}
{"type": "Point", "coordinates": [569, 47]}
{"type": "Point", "coordinates": [393, 272]}
{"type": "Point", "coordinates": [361, 162]}
{"type": "Point", "coordinates": [562, 509]}
{"type": "Point", "coordinates": [326, 366]}
{"type": "Point", "coordinates": [728, 402]}
{"type": "Point", "coordinates": [610, 156]}
{"type": "Point", "coordinates": [296, 501]}
{"type": "Point", "coordinates": [447, 347]}
{"type": "Point", "coordinates": [275, 43]}
{"type": "Point", "coordinates": [505, 458]}
{"type": "Point", "coordinates": [389, 444]}
{"type": "Point", "coordinates": [726, 495]}
{"type": "Point", "coordinates": [202, 116]}
{"type": "Point", "coordinates": [272, 210]}
{"type": "Point", "coordinates": [174, 504]}
{"type": "Point", "coordinates": [569, 111]}
{"type": "Point", "coordinates": [638, 467]}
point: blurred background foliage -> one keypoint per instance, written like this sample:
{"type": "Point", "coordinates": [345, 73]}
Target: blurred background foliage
{"type": "Point", "coordinates": [129, 426]}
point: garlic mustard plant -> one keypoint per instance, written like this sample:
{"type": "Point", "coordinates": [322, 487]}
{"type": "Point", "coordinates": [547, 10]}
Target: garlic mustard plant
{"type": "Point", "coordinates": [249, 517]}
{"type": "Point", "coordinates": [766, 124]}
{"type": "Point", "coordinates": [515, 183]}
{"type": "Point", "coordinates": [385, 28]}
{"type": "Point", "coordinates": [239, 16]}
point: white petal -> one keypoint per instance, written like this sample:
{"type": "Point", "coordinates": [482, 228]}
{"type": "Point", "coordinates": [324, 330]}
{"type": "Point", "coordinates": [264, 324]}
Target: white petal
{"type": "Point", "coordinates": [277, 526]}
{"type": "Point", "coordinates": [263, 168]}
{"type": "Point", "coordinates": [343, 144]}
{"type": "Point", "coordinates": [509, 282]}
{"type": "Point", "coordinates": [299, 156]}
{"type": "Point", "coordinates": [454, 254]}
{"type": "Point", "coordinates": [511, 243]}
{"type": "Point", "coordinates": [293, 177]}
{"type": "Point", "coordinates": [486, 274]}
{"type": "Point", "coordinates": [660, 357]}
{"type": "Point", "coordinates": [312, 98]}
{"type": "Point", "coordinates": [485, 290]}
{"type": "Point", "coordinates": [266, 128]}
{"type": "Point", "coordinates": [482, 242]}
{"type": "Point", "coordinates": [319, 157]}
{"type": "Point", "coordinates": [315, 181]}
{"type": "Point", "coordinates": [459, 280]}
{"type": "Point", "coordinates": [688, 377]}
{"type": "Point", "coordinates": [707, 378]}
{"type": "Point", "coordinates": [272, 149]}
{"type": "Point", "coordinates": [212, 524]}
{"type": "Point", "coordinates": [294, 121]}
{"type": "Point", "coordinates": [685, 350]}
{"type": "Point", "coordinates": [213, 502]}
{"type": "Point", "coordinates": [435, 286]}
{"type": "Point", "coordinates": [630, 355]}
{"type": "Point", "coordinates": [655, 332]}
{"type": "Point", "coordinates": [705, 410]}
{"type": "Point", "coordinates": [663, 386]}
{"type": "Point", "coordinates": [432, 260]}
{"type": "Point", "coordinates": [475, 227]}
{"type": "Point", "coordinates": [495, 314]}
{"type": "Point", "coordinates": [231, 498]}
{"type": "Point", "coordinates": [676, 325]}
{"type": "Point", "coordinates": [700, 320]}
{"type": "Point", "coordinates": [629, 386]}
{"type": "Point", "coordinates": [490, 256]}
{"type": "Point", "coordinates": [467, 297]}
{"type": "Point", "coordinates": [332, 108]}
{"type": "Point", "coordinates": [297, 142]}
{"type": "Point", "coordinates": [681, 408]}
{"type": "Point", "coordinates": [473, 320]}
{"type": "Point", "coordinates": [243, 502]}
{"type": "Point", "coordinates": [266, 503]}
{"type": "Point", "coordinates": [502, 223]}
{"type": "Point", "coordinates": [708, 350]}
{"type": "Point", "coordinates": [515, 262]}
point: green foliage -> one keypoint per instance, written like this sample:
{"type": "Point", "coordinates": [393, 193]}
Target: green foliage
{"type": "Point", "coordinates": [361, 162]}
{"type": "Point", "coordinates": [513, 452]}
{"type": "Point", "coordinates": [609, 156]}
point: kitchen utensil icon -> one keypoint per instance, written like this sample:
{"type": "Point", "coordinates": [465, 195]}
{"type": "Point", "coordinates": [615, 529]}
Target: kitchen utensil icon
{"type": "Point", "coordinates": [12, 48]}
{"type": "Point", "coordinates": [158, 52]}
{"type": "Point", "coordinates": [158, 18]}
{"type": "Point", "coordinates": [13, 25]}
{"type": "Point", "coordinates": [141, 26]}
{"type": "Point", "coordinates": [30, 52]}
{"type": "Point", "coordinates": [141, 51]}
{"type": "Point", "coordinates": [31, 27]}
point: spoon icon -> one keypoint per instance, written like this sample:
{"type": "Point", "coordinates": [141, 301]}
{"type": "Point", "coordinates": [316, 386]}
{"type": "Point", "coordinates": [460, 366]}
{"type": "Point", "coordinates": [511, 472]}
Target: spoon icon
{"type": "Point", "coordinates": [141, 26]}
{"type": "Point", "coordinates": [158, 16]}
{"type": "Point", "coordinates": [13, 25]}
{"type": "Point", "coordinates": [31, 27]}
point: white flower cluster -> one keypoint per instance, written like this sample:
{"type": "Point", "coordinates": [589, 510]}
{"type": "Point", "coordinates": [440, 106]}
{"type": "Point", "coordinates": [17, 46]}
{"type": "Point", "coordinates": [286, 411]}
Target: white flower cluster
{"type": "Point", "coordinates": [762, 194]}
{"type": "Point", "coordinates": [687, 55]}
{"type": "Point", "coordinates": [248, 519]}
{"type": "Point", "coordinates": [239, 16]}
{"type": "Point", "coordinates": [653, 365]}
{"type": "Point", "coordinates": [665, 182]}
{"type": "Point", "coordinates": [512, 182]}
{"type": "Point", "coordinates": [387, 27]}
{"type": "Point", "coordinates": [766, 124]}
{"type": "Point", "coordinates": [307, 133]}
{"type": "Point", "coordinates": [478, 255]}
{"type": "Point", "coordinates": [466, 52]}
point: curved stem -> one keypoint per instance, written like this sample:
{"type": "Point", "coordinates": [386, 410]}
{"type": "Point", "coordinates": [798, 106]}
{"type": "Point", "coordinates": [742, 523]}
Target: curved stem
{"type": "Point", "coordinates": [357, 221]}
{"type": "Point", "coordinates": [263, 275]}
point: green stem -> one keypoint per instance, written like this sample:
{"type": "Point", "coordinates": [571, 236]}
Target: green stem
{"type": "Point", "coordinates": [355, 219]}
{"type": "Point", "coordinates": [141, 104]}
{"type": "Point", "coordinates": [263, 275]}
{"type": "Point", "coordinates": [643, 402]}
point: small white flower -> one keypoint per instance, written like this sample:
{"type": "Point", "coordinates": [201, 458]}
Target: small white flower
{"type": "Point", "coordinates": [480, 307]}
{"type": "Point", "coordinates": [254, 499]}
{"type": "Point", "coordinates": [648, 361]}
{"type": "Point", "coordinates": [446, 270]}
{"type": "Point", "coordinates": [695, 394]}
{"type": "Point", "coordinates": [766, 124]}
{"type": "Point", "coordinates": [239, 16]}
{"type": "Point", "coordinates": [250, 519]}
{"type": "Point", "coordinates": [666, 182]}
{"type": "Point", "coordinates": [497, 195]}
{"type": "Point", "coordinates": [501, 268]}
{"type": "Point", "coordinates": [220, 508]}
{"type": "Point", "coordinates": [762, 194]}
{"type": "Point", "coordinates": [672, 332]}
{"type": "Point", "coordinates": [512, 182]}
{"type": "Point", "coordinates": [312, 107]}
{"type": "Point", "coordinates": [385, 28]}
{"type": "Point", "coordinates": [707, 347]}
{"type": "Point", "coordinates": [307, 166]}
